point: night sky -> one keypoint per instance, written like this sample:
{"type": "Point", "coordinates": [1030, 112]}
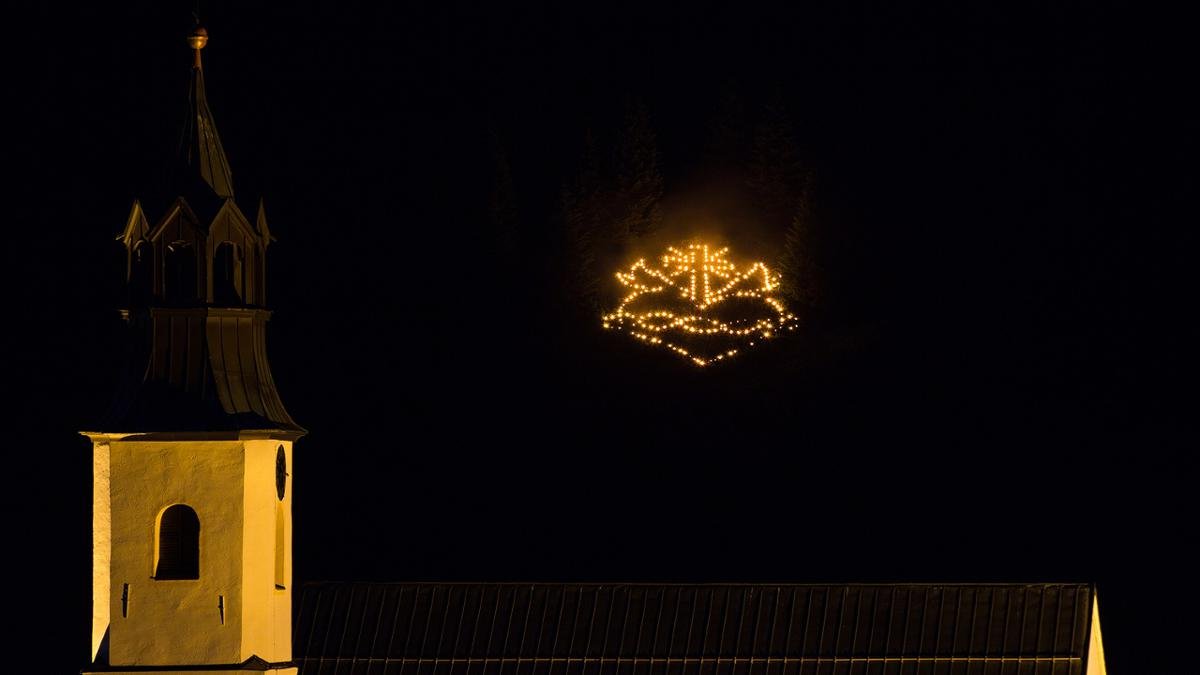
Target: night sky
{"type": "Point", "coordinates": [986, 396]}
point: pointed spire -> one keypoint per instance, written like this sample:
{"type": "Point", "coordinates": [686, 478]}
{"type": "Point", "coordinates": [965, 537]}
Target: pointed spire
{"type": "Point", "coordinates": [260, 224]}
{"type": "Point", "coordinates": [200, 146]}
{"type": "Point", "coordinates": [136, 226]}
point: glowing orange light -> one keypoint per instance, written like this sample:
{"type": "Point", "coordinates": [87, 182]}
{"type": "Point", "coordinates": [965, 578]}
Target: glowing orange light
{"type": "Point", "coordinates": [684, 304]}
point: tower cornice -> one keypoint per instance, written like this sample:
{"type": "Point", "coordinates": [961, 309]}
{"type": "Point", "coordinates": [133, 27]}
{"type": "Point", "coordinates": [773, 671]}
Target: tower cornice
{"type": "Point", "coordinates": [198, 311]}
{"type": "Point", "coordinates": [173, 436]}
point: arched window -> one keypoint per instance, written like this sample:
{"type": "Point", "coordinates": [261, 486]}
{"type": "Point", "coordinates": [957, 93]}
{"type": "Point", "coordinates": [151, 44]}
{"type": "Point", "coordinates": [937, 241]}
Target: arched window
{"type": "Point", "coordinates": [141, 272]}
{"type": "Point", "coordinates": [227, 274]}
{"type": "Point", "coordinates": [181, 272]}
{"type": "Point", "coordinates": [178, 544]}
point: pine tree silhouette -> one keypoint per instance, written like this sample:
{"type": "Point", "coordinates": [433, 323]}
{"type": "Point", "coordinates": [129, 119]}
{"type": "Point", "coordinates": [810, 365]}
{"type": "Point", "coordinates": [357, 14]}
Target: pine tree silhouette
{"type": "Point", "coordinates": [612, 204]}
{"type": "Point", "coordinates": [638, 184]}
{"type": "Point", "coordinates": [783, 187]}
{"type": "Point", "coordinates": [587, 225]}
{"type": "Point", "coordinates": [798, 264]}
{"type": "Point", "coordinates": [774, 173]}
{"type": "Point", "coordinates": [726, 140]}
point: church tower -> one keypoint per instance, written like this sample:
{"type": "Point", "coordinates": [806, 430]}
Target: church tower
{"type": "Point", "coordinates": [192, 531]}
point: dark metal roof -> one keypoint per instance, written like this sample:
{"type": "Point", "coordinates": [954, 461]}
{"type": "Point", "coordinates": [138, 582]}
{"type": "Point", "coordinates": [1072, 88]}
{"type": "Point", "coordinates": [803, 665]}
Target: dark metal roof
{"type": "Point", "coordinates": [191, 366]}
{"type": "Point", "coordinates": [200, 146]}
{"type": "Point", "coordinates": [634, 629]}
{"type": "Point", "coordinates": [199, 369]}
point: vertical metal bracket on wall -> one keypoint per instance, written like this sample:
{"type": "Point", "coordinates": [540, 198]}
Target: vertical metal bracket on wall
{"type": "Point", "coordinates": [125, 601]}
{"type": "Point", "coordinates": [221, 608]}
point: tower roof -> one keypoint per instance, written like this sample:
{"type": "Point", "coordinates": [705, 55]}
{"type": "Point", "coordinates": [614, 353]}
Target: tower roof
{"type": "Point", "coordinates": [200, 151]}
{"type": "Point", "coordinates": [197, 370]}
{"type": "Point", "coordinates": [197, 359]}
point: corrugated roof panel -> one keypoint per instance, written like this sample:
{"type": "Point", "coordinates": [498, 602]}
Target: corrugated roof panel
{"type": "Point", "coordinates": [588, 629]}
{"type": "Point", "coordinates": [376, 609]}
{"type": "Point", "coordinates": [458, 633]}
{"type": "Point", "coordinates": [360, 623]}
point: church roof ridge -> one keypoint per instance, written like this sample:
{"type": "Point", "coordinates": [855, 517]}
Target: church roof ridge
{"type": "Point", "coordinates": [711, 584]}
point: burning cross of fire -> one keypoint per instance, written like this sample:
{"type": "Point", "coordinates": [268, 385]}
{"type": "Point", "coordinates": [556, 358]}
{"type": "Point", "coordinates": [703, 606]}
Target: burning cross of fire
{"type": "Point", "coordinates": [699, 305]}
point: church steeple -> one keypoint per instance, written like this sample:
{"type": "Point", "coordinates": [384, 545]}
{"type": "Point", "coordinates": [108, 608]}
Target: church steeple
{"type": "Point", "coordinates": [200, 146]}
{"type": "Point", "coordinates": [196, 280]}
{"type": "Point", "coordinates": [192, 497]}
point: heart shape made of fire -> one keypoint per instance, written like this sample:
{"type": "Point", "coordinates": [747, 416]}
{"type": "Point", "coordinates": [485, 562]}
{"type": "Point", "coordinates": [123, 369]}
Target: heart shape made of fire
{"type": "Point", "coordinates": [699, 304]}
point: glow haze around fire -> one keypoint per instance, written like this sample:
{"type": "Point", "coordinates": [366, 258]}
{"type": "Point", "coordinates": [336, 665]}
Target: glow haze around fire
{"type": "Point", "coordinates": [691, 288]}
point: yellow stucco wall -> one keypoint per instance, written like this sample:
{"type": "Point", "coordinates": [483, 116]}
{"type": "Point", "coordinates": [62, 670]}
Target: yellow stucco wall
{"type": "Point", "coordinates": [266, 627]}
{"type": "Point", "coordinates": [1095, 658]}
{"type": "Point", "coordinates": [231, 486]}
{"type": "Point", "coordinates": [101, 544]}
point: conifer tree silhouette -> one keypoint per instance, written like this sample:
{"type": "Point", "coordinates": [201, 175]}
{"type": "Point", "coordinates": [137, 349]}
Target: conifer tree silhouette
{"type": "Point", "coordinates": [782, 186]}
{"type": "Point", "coordinates": [587, 225]}
{"type": "Point", "coordinates": [613, 203]}
{"type": "Point", "coordinates": [799, 263]}
{"type": "Point", "coordinates": [638, 184]}
{"type": "Point", "coordinates": [726, 134]}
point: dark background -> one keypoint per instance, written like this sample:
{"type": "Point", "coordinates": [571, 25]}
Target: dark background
{"type": "Point", "coordinates": [987, 398]}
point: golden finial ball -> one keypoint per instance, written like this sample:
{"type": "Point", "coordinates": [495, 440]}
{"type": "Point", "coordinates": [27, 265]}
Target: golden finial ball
{"type": "Point", "coordinates": [198, 38]}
